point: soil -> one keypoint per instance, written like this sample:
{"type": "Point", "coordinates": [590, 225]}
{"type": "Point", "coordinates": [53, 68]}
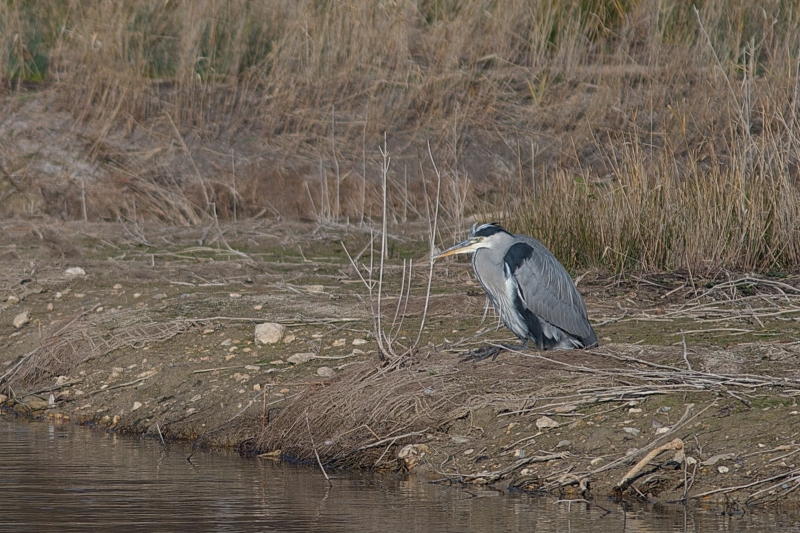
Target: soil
{"type": "Point", "coordinates": [156, 338]}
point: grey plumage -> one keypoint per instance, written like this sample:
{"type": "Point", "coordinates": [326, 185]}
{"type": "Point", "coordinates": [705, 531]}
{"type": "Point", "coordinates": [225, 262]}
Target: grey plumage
{"type": "Point", "coordinates": [531, 291]}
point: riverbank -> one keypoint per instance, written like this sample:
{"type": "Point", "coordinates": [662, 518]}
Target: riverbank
{"type": "Point", "coordinates": [153, 332]}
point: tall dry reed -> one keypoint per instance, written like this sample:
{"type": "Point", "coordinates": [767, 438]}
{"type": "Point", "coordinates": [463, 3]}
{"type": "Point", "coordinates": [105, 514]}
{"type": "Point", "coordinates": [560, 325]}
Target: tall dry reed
{"type": "Point", "coordinates": [625, 134]}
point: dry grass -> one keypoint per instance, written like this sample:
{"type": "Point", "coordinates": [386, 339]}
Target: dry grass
{"type": "Point", "coordinates": [627, 135]}
{"type": "Point", "coordinates": [66, 344]}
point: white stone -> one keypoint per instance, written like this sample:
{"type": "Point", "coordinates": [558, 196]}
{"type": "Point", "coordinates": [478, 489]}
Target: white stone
{"type": "Point", "coordinates": [22, 319]}
{"type": "Point", "coordinates": [136, 405]}
{"type": "Point", "coordinates": [12, 300]}
{"type": "Point", "coordinates": [300, 358]}
{"type": "Point", "coordinates": [75, 271]}
{"type": "Point", "coordinates": [722, 469]}
{"type": "Point", "coordinates": [546, 422]}
{"type": "Point", "coordinates": [326, 372]}
{"type": "Point", "coordinates": [269, 332]}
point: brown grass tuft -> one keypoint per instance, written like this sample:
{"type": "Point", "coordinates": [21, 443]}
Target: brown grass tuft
{"type": "Point", "coordinates": [628, 135]}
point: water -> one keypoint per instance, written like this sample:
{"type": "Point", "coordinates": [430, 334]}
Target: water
{"type": "Point", "coordinates": [57, 477]}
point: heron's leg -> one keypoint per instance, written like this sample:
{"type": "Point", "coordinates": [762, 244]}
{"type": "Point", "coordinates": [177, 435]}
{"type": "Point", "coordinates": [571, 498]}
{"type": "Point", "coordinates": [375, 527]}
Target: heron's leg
{"type": "Point", "coordinates": [491, 351]}
{"type": "Point", "coordinates": [481, 353]}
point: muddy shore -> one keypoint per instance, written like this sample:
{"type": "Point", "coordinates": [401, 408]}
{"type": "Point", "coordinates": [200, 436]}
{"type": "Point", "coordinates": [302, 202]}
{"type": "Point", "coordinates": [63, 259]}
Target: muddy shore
{"type": "Point", "coordinates": [152, 333]}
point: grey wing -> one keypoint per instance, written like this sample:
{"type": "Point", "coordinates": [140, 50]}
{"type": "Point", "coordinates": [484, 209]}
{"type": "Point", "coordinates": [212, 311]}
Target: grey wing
{"type": "Point", "coordinates": [547, 288]}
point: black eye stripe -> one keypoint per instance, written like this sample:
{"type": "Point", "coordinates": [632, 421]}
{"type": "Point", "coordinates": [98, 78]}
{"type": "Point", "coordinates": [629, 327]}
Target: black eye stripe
{"type": "Point", "coordinates": [487, 230]}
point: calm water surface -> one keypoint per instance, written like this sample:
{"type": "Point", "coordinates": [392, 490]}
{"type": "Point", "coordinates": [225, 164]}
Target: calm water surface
{"type": "Point", "coordinates": [57, 477]}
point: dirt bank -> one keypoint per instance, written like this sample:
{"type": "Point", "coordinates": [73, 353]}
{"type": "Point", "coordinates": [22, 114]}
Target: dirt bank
{"type": "Point", "coordinates": [156, 337]}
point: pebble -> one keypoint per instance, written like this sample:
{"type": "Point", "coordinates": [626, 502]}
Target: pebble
{"type": "Point", "coordinates": [632, 431]}
{"type": "Point", "coordinates": [12, 300]}
{"type": "Point", "coordinates": [359, 342]}
{"type": "Point", "coordinates": [75, 271]}
{"type": "Point", "coordinates": [472, 450]}
{"type": "Point", "coordinates": [300, 358]}
{"type": "Point", "coordinates": [117, 286]}
{"type": "Point", "coordinates": [208, 331]}
{"type": "Point", "coordinates": [197, 397]}
{"type": "Point", "coordinates": [241, 377]}
{"type": "Point", "coordinates": [22, 319]}
{"type": "Point", "coordinates": [326, 372]}
{"type": "Point", "coordinates": [136, 405]}
{"type": "Point", "coordinates": [137, 294]}
{"type": "Point", "coordinates": [564, 444]}
{"type": "Point", "coordinates": [546, 422]}
{"type": "Point", "coordinates": [252, 367]}
{"type": "Point", "coordinates": [257, 387]}
{"type": "Point", "coordinates": [258, 307]}
{"type": "Point", "coordinates": [159, 296]}
{"type": "Point", "coordinates": [723, 469]}
{"type": "Point", "coordinates": [50, 306]}
{"type": "Point", "coordinates": [288, 339]}
{"type": "Point", "coordinates": [235, 295]}
{"type": "Point", "coordinates": [269, 332]}
{"type": "Point", "coordinates": [315, 288]}
{"type": "Point", "coordinates": [339, 342]}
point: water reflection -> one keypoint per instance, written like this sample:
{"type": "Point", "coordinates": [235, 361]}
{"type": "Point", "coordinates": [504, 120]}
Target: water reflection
{"type": "Point", "coordinates": [59, 477]}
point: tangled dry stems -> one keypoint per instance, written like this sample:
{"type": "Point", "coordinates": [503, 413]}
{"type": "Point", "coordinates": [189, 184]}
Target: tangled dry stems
{"type": "Point", "coordinates": [67, 344]}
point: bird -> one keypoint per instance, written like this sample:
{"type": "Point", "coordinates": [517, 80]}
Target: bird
{"type": "Point", "coordinates": [530, 289]}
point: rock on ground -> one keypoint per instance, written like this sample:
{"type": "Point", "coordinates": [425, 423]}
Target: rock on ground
{"type": "Point", "coordinates": [269, 332]}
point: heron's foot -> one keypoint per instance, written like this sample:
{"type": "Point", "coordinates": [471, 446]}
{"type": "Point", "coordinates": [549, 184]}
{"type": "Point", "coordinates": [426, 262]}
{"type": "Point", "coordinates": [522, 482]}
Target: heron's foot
{"type": "Point", "coordinates": [481, 353]}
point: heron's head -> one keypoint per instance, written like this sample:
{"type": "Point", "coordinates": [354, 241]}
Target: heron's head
{"type": "Point", "coordinates": [483, 236]}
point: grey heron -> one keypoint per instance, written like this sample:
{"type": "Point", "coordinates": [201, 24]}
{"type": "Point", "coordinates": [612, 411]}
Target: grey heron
{"type": "Point", "coordinates": [531, 291]}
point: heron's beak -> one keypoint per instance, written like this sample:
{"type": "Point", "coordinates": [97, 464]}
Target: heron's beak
{"type": "Point", "coordinates": [466, 247]}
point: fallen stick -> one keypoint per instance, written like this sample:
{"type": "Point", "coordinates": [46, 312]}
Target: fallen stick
{"type": "Point", "coordinates": [674, 444]}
